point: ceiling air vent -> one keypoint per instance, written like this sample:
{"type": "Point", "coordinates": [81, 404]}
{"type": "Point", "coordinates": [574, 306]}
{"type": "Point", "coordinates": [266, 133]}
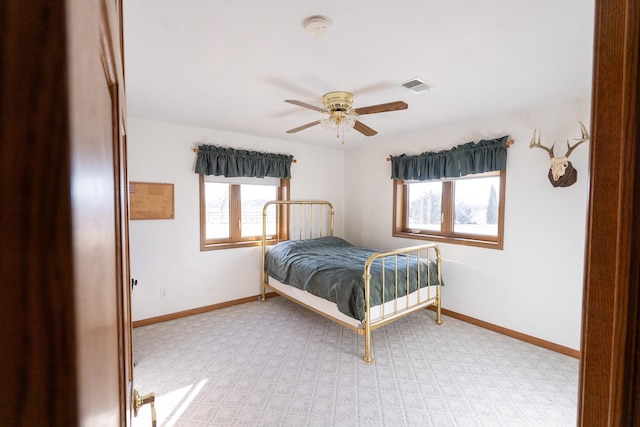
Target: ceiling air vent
{"type": "Point", "coordinates": [416, 85]}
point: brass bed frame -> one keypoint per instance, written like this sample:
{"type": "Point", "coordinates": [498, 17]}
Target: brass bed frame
{"type": "Point", "coordinates": [311, 221]}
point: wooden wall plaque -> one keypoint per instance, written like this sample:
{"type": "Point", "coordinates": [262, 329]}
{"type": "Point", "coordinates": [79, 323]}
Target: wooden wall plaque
{"type": "Point", "coordinates": [149, 200]}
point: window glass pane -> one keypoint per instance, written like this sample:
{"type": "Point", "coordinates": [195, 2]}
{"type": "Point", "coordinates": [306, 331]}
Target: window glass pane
{"type": "Point", "coordinates": [476, 205]}
{"type": "Point", "coordinates": [253, 199]}
{"type": "Point", "coordinates": [216, 198]}
{"type": "Point", "coordinates": [425, 205]}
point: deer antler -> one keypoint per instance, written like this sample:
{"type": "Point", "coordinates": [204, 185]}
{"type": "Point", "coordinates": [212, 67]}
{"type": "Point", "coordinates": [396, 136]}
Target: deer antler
{"type": "Point", "coordinates": [534, 144]}
{"type": "Point", "coordinates": [585, 137]}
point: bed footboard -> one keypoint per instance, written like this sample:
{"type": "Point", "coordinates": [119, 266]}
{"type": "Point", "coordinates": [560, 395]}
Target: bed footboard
{"type": "Point", "coordinates": [405, 300]}
{"type": "Point", "coordinates": [407, 288]}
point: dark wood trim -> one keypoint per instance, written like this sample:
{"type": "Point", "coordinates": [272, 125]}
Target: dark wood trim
{"type": "Point", "coordinates": [502, 194]}
{"type": "Point", "coordinates": [203, 214]}
{"type": "Point", "coordinates": [511, 333]}
{"type": "Point", "coordinates": [235, 216]}
{"type": "Point", "coordinates": [447, 209]}
{"type": "Point", "coordinates": [185, 313]}
{"type": "Point", "coordinates": [283, 210]}
{"type": "Point", "coordinates": [112, 56]}
{"type": "Point", "coordinates": [399, 215]}
{"type": "Point", "coordinates": [608, 393]}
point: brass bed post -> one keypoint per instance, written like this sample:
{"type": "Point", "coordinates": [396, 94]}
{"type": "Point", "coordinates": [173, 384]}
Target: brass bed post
{"type": "Point", "coordinates": [407, 279]}
{"type": "Point", "coordinates": [264, 252]}
{"type": "Point", "coordinates": [300, 223]}
{"type": "Point", "coordinates": [438, 296]}
{"type": "Point", "coordinates": [367, 317]}
{"type": "Point", "coordinates": [310, 220]}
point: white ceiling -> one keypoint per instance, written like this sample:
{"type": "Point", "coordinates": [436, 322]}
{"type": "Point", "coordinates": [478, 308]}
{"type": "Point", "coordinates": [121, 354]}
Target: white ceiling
{"type": "Point", "coordinates": [229, 65]}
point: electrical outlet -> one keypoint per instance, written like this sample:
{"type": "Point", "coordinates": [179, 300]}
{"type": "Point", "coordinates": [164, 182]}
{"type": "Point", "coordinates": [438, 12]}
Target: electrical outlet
{"type": "Point", "coordinates": [163, 293]}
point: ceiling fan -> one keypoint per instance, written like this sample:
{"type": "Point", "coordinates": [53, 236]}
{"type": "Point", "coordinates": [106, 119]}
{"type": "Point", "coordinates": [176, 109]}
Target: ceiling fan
{"type": "Point", "coordinates": [341, 114]}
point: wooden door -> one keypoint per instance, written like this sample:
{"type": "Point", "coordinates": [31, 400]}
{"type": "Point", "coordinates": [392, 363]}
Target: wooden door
{"type": "Point", "coordinates": [64, 312]}
{"type": "Point", "coordinates": [113, 63]}
{"type": "Point", "coordinates": [100, 232]}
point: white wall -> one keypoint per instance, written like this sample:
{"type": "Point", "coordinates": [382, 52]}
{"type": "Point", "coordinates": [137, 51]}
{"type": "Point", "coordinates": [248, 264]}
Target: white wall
{"type": "Point", "coordinates": [533, 286]}
{"type": "Point", "coordinates": [165, 254]}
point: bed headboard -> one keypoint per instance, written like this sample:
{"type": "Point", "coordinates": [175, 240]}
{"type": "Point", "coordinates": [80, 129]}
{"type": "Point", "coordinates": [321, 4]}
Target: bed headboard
{"type": "Point", "coordinates": [296, 220]}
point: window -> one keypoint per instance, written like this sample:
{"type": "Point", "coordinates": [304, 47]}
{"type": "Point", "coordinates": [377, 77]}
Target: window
{"type": "Point", "coordinates": [468, 210]}
{"type": "Point", "coordinates": [231, 210]}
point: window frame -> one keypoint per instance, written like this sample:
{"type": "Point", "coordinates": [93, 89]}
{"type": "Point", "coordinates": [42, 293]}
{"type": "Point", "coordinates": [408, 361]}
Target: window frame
{"type": "Point", "coordinates": [447, 234]}
{"type": "Point", "coordinates": [235, 239]}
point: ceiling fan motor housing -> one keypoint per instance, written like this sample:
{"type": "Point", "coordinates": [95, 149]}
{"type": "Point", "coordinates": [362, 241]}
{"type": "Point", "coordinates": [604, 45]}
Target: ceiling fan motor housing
{"type": "Point", "coordinates": [338, 101]}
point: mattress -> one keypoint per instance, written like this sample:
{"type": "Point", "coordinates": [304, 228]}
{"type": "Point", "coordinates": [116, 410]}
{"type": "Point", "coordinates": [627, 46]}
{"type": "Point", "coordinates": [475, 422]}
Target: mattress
{"type": "Point", "coordinates": [332, 268]}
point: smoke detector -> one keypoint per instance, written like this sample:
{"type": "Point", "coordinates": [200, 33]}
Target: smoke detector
{"type": "Point", "coordinates": [317, 25]}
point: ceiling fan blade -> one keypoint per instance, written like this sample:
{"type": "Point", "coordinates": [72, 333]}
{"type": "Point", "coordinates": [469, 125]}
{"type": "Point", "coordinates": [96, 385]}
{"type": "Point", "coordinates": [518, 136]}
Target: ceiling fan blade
{"type": "Point", "coordinates": [303, 104]}
{"type": "Point", "coordinates": [299, 128]}
{"type": "Point", "coordinates": [364, 129]}
{"type": "Point", "coordinates": [382, 108]}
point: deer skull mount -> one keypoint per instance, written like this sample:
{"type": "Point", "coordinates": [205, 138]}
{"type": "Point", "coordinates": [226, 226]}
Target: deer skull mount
{"type": "Point", "coordinates": [561, 171]}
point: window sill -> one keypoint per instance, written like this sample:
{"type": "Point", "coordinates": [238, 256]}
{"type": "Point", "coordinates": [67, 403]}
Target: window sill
{"type": "Point", "coordinates": [457, 240]}
{"type": "Point", "coordinates": [234, 245]}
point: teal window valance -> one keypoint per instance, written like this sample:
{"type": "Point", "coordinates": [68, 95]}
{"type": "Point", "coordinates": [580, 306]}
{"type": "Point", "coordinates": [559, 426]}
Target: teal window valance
{"type": "Point", "coordinates": [213, 160]}
{"type": "Point", "coordinates": [465, 159]}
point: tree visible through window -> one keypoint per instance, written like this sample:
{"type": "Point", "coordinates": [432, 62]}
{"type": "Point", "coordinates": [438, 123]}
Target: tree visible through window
{"type": "Point", "coordinates": [492, 207]}
{"type": "Point", "coordinates": [425, 205]}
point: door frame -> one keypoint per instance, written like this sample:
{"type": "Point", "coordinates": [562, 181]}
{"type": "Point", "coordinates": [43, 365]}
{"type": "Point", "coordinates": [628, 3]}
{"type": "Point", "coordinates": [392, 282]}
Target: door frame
{"type": "Point", "coordinates": [112, 53]}
{"type": "Point", "coordinates": [36, 309]}
{"type": "Point", "coordinates": [609, 368]}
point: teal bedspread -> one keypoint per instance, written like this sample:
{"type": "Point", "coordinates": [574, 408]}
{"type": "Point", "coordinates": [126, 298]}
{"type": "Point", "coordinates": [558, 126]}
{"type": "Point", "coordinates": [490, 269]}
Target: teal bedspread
{"type": "Point", "coordinates": [332, 268]}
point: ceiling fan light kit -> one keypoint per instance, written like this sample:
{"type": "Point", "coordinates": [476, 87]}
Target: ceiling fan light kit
{"type": "Point", "coordinates": [341, 115]}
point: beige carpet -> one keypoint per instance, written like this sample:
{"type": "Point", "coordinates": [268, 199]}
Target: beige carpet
{"type": "Point", "coordinates": [277, 364]}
